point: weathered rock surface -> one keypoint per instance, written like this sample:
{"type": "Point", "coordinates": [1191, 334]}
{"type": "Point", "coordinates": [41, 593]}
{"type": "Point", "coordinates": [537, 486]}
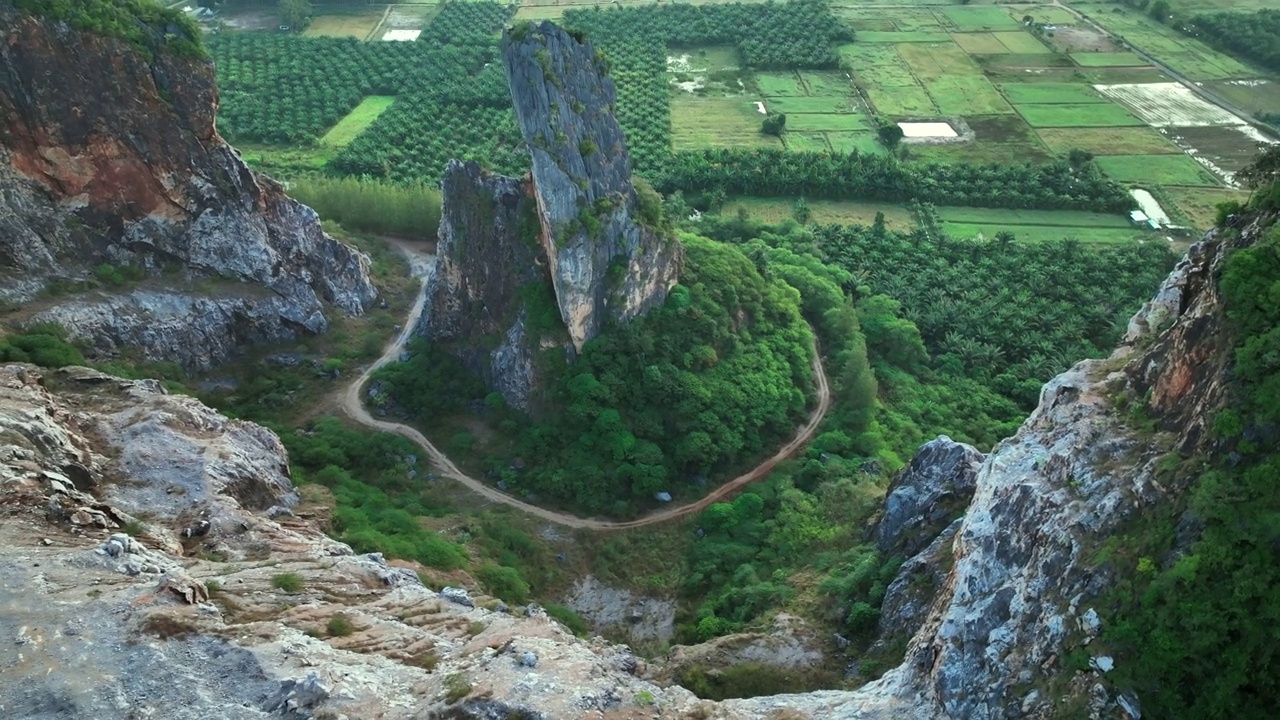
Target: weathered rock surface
{"type": "Point", "coordinates": [789, 643]}
{"type": "Point", "coordinates": [608, 259]}
{"type": "Point", "coordinates": [1018, 596]}
{"type": "Point", "coordinates": [929, 493]}
{"type": "Point", "coordinates": [622, 613]}
{"type": "Point", "coordinates": [184, 620]}
{"type": "Point", "coordinates": [111, 157]}
{"type": "Point", "coordinates": [489, 262]}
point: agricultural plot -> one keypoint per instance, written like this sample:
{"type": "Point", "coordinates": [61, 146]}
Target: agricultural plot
{"type": "Point", "coordinates": [1020, 42]}
{"type": "Point", "coordinates": [966, 95]}
{"type": "Point", "coordinates": [902, 36]}
{"type": "Point", "coordinates": [888, 81]}
{"type": "Point", "coordinates": [1223, 150]}
{"type": "Point", "coordinates": [1052, 218]}
{"type": "Point", "coordinates": [1107, 59]}
{"type": "Point", "coordinates": [1200, 204]}
{"type": "Point", "coordinates": [1184, 54]}
{"type": "Point", "coordinates": [970, 18]}
{"type": "Point", "coordinates": [815, 122]}
{"type": "Point", "coordinates": [712, 122]}
{"type": "Point", "coordinates": [1083, 115]}
{"type": "Point", "coordinates": [929, 60]}
{"type": "Point", "coordinates": [357, 25]}
{"type": "Point", "coordinates": [1155, 170]}
{"type": "Point", "coordinates": [1254, 95]}
{"type": "Point", "coordinates": [1168, 105]}
{"type": "Point", "coordinates": [997, 138]}
{"type": "Point", "coordinates": [1015, 42]}
{"type": "Point", "coordinates": [357, 121]}
{"type": "Point", "coordinates": [1108, 141]}
{"type": "Point", "coordinates": [825, 212]}
{"type": "Point", "coordinates": [1046, 233]}
{"type": "Point", "coordinates": [1050, 94]}
{"type": "Point", "coordinates": [847, 142]}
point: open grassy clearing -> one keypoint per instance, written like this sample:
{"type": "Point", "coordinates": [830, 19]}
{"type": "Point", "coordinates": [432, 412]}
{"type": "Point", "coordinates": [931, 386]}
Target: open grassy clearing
{"type": "Point", "coordinates": [863, 142]}
{"type": "Point", "coordinates": [1047, 233]}
{"type": "Point", "coordinates": [780, 84]}
{"type": "Point", "coordinates": [966, 95]}
{"type": "Point", "coordinates": [1199, 204]}
{"type": "Point", "coordinates": [979, 43]}
{"type": "Point", "coordinates": [800, 105]}
{"type": "Point", "coordinates": [709, 122]}
{"type": "Point", "coordinates": [1108, 141]}
{"type": "Point", "coordinates": [997, 138]}
{"type": "Point", "coordinates": [1058, 218]}
{"type": "Point", "coordinates": [836, 212]}
{"type": "Point", "coordinates": [826, 83]}
{"type": "Point", "coordinates": [356, 121]}
{"type": "Point", "coordinates": [1080, 115]}
{"type": "Point", "coordinates": [357, 24]}
{"type": "Point", "coordinates": [1050, 94]}
{"type": "Point", "coordinates": [1108, 59]}
{"type": "Point", "coordinates": [1156, 170]}
{"type": "Point", "coordinates": [898, 102]}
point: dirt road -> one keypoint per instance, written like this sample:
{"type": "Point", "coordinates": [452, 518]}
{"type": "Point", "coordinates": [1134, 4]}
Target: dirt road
{"type": "Point", "coordinates": [354, 407]}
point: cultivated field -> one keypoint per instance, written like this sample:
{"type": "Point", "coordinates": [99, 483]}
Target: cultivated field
{"type": "Point", "coordinates": [357, 24]}
{"type": "Point", "coordinates": [1108, 141]}
{"type": "Point", "coordinates": [1184, 54]}
{"type": "Point", "coordinates": [837, 212]}
{"type": "Point", "coordinates": [708, 122]}
{"type": "Point", "coordinates": [1200, 204]}
{"type": "Point", "coordinates": [357, 121]}
{"type": "Point", "coordinates": [1145, 170]}
{"type": "Point", "coordinates": [1168, 105]}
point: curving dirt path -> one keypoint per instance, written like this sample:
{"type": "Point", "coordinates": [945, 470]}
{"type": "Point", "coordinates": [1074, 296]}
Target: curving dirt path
{"type": "Point", "coordinates": [352, 404]}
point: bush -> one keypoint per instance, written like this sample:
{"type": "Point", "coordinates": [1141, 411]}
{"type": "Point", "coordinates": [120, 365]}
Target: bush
{"type": "Point", "coordinates": [289, 582]}
{"type": "Point", "coordinates": [568, 618]}
{"type": "Point", "coordinates": [504, 582]}
{"type": "Point", "coordinates": [42, 345]}
{"type": "Point", "coordinates": [339, 626]}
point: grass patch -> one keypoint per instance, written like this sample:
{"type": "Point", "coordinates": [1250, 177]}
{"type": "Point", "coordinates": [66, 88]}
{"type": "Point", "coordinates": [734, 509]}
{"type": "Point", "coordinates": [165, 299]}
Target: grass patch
{"type": "Point", "coordinates": [806, 142]}
{"type": "Point", "coordinates": [1156, 170]}
{"type": "Point", "coordinates": [1051, 93]}
{"type": "Point", "coordinates": [356, 121]}
{"type": "Point", "coordinates": [780, 85]}
{"type": "Point", "coordinates": [289, 582]}
{"type": "Point", "coordinates": [456, 687]}
{"type": "Point", "coordinates": [979, 43]}
{"type": "Point", "coordinates": [702, 122]}
{"type": "Point", "coordinates": [936, 60]}
{"type": "Point", "coordinates": [1107, 59]}
{"type": "Point", "coordinates": [863, 142]}
{"type": "Point", "coordinates": [1077, 115]}
{"type": "Point", "coordinates": [339, 626]}
{"type": "Point", "coordinates": [908, 101]}
{"type": "Point", "coordinates": [1108, 141]}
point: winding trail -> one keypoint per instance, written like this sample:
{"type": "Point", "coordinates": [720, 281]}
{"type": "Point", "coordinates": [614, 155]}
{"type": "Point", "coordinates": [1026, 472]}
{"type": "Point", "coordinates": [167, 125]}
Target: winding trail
{"type": "Point", "coordinates": [353, 406]}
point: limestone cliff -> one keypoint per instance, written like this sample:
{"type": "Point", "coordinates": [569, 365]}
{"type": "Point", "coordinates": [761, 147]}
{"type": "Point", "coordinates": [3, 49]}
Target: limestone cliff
{"type": "Point", "coordinates": [184, 618]}
{"type": "Point", "coordinates": [1016, 575]}
{"type": "Point", "coordinates": [609, 259]}
{"type": "Point", "coordinates": [489, 264]}
{"type": "Point", "coordinates": [109, 155]}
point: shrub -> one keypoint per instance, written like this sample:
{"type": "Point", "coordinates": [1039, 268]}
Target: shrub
{"type": "Point", "coordinates": [568, 618]}
{"type": "Point", "coordinates": [289, 582]}
{"type": "Point", "coordinates": [339, 626]}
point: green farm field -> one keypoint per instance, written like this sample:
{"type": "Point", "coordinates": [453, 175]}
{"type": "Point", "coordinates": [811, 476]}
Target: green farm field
{"type": "Point", "coordinates": [970, 17]}
{"type": "Point", "coordinates": [356, 24]}
{"type": "Point", "coordinates": [1046, 233]}
{"type": "Point", "coordinates": [1184, 54]}
{"type": "Point", "coordinates": [836, 212]}
{"type": "Point", "coordinates": [966, 95]}
{"type": "Point", "coordinates": [1107, 59]}
{"type": "Point", "coordinates": [1055, 218]}
{"type": "Point", "coordinates": [357, 121]}
{"type": "Point", "coordinates": [1057, 93]}
{"type": "Point", "coordinates": [1157, 170]}
{"type": "Point", "coordinates": [709, 122]}
{"type": "Point", "coordinates": [1108, 141]}
{"type": "Point", "coordinates": [1083, 115]}
{"type": "Point", "coordinates": [1200, 204]}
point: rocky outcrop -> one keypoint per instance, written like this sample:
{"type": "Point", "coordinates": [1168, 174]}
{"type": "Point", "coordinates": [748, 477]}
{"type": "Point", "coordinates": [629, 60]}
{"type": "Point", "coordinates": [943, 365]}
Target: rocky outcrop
{"type": "Point", "coordinates": [489, 263]}
{"type": "Point", "coordinates": [621, 613]}
{"type": "Point", "coordinates": [926, 496]}
{"type": "Point", "coordinates": [185, 618]}
{"type": "Point", "coordinates": [610, 260]}
{"type": "Point", "coordinates": [110, 156]}
{"type": "Point", "coordinates": [1022, 574]}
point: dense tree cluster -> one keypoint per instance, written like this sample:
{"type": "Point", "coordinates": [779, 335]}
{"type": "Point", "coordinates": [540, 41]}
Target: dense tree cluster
{"type": "Point", "coordinates": [289, 90]}
{"type": "Point", "coordinates": [869, 176]}
{"type": "Point", "coordinates": [797, 34]}
{"type": "Point", "coordinates": [1255, 36]}
{"type": "Point", "coordinates": [702, 385]}
{"type": "Point", "coordinates": [467, 22]}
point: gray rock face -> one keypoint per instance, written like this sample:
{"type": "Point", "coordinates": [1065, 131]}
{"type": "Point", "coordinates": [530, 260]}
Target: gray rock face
{"type": "Point", "coordinates": [607, 260]}
{"type": "Point", "coordinates": [110, 157]}
{"type": "Point", "coordinates": [488, 262]}
{"type": "Point", "coordinates": [930, 492]}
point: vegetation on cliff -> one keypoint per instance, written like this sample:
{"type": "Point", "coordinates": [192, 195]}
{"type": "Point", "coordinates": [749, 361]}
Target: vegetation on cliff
{"type": "Point", "coordinates": [1198, 619]}
{"type": "Point", "coordinates": [144, 24]}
